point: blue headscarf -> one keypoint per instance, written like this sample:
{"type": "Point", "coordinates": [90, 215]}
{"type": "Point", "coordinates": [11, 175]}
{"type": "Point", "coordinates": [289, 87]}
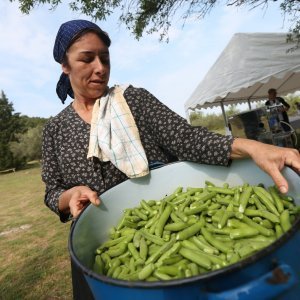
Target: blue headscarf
{"type": "Point", "coordinates": [64, 38]}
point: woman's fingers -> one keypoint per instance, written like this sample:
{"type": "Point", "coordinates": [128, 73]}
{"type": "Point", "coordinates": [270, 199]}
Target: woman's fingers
{"type": "Point", "coordinates": [279, 180]}
{"type": "Point", "coordinates": [93, 197]}
{"type": "Point", "coordinates": [80, 198]}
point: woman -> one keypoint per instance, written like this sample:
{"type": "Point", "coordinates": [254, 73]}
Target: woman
{"type": "Point", "coordinates": [72, 180]}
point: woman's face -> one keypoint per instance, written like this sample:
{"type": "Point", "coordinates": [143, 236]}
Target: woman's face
{"type": "Point", "coordinates": [88, 67]}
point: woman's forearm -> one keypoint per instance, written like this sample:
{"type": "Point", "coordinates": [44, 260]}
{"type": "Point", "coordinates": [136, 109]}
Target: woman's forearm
{"type": "Point", "coordinates": [242, 148]}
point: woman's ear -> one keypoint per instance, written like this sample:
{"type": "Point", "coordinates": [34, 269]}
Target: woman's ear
{"type": "Point", "coordinates": [65, 68]}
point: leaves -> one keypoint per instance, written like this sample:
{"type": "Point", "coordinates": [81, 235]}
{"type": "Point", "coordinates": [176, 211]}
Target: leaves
{"type": "Point", "coordinates": [149, 16]}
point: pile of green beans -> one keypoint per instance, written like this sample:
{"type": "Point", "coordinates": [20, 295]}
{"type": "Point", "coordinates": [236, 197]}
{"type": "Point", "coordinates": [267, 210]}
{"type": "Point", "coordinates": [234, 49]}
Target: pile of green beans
{"type": "Point", "coordinates": [193, 231]}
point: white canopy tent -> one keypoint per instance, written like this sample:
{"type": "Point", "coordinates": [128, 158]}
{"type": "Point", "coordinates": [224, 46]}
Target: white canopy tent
{"type": "Point", "coordinates": [250, 64]}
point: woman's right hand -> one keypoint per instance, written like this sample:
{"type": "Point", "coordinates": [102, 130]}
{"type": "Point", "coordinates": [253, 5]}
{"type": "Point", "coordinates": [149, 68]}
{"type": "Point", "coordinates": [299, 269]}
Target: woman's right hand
{"type": "Point", "coordinates": [75, 199]}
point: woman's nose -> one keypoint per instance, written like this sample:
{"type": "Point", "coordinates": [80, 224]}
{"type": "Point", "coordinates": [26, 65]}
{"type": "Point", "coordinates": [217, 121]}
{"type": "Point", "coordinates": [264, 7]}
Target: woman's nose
{"type": "Point", "coordinates": [99, 66]}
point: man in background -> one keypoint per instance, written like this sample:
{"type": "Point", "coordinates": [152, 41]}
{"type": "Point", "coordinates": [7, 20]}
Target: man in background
{"type": "Point", "coordinates": [274, 100]}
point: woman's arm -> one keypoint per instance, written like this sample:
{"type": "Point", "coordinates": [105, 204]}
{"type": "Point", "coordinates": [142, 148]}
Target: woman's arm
{"type": "Point", "coordinates": [269, 158]}
{"type": "Point", "coordinates": [65, 202]}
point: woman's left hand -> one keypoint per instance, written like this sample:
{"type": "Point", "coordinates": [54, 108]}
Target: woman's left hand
{"type": "Point", "coordinates": [269, 158]}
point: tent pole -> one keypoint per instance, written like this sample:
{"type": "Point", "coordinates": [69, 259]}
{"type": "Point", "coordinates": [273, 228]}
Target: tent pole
{"type": "Point", "coordinates": [249, 104]}
{"type": "Point", "coordinates": [225, 118]}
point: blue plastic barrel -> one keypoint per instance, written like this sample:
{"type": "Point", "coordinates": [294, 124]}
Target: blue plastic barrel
{"type": "Point", "coordinates": [272, 273]}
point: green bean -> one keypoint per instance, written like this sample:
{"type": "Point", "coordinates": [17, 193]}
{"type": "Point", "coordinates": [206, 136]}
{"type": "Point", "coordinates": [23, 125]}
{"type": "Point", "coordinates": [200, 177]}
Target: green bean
{"type": "Point", "coordinates": [287, 204]}
{"type": "Point", "coordinates": [194, 190]}
{"type": "Point", "coordinates": [169, 270]}
{"type": "Point", "coordinates": [173, 250]}
{"type": "Point", "coordinates": [198, 209]}
{"type": "Point", "coordinates": [148, 208]}
{"type": "Point", "coordinates": [135, 254]}
{"type": "Point", "coordinates": [173, 259]}
{"type": "Point", "coordinates": [196, 257]}
{"type": "Point", "coordinates": [206, 196]}
{"type": "Point", "coordinates": [117, 250]}
{"type": "Point", "coordinates": [209, 183]}
{"type": "Point", "coordinates": [175, 218]}
{"type": "Point", "coordinates": [276, 199]}
{"type": "Point", "coordinates": [285, 220]}
{"type": "Point", "coordinates": [186, 203]}
{"type": "Point", "coordinates": [205, 247]}
{"type": "Point", "coordinates": [152, 238]}
{"type": "Point", "coordinates": [214, 242]}
{"type": "Point", "coordinates": [246, 251]}
{"type": "Point", "coordinates": [140, 214]}
{"type": "Point", "coordinates": [106, 259]}
{"type": "Point", "coordinates": [176, 226]}
{"type": "Point", "coordinates": [242, 232]}
{"type": "Point", "coordinates": [188, 244]}
{"type": "Point", "coordinates": [228, 213]}
{"type": "Point", "coordinates": [116, 272]}
{"type": "Point", "coordinates": [194, 269]}
{"type": "Point", "coordinates": [98, 265]}
{"type": "Point", "coordinates": [151, 221]}
{"type": "Point", "coordinates": [162, 220]}
{"type": "Point", "coordinates": [113, 267]}
{"type": "Point", "coordinates": [263, 191]}
{"type": "Point", "coordinates": [155, 256]}
{"type": "Point", "coordinates": [236, 197]}
{"type": "Point", "coordinates": [146, 271]}
{"type": "Point", "coordinates": [190, 231]}
{"type": "Point", "coordinates": [130, 224]}
{"type": "Point", "coordinates": [252, 224]}
{"type": "Point", "coordinates": [188, 273]}
{"type": "Point", "coordinates": [143, 249]}
{"type": "Point", "coordinates": [244, 198]}
{"type": "Point", "coordinates": [266, 200]}
{"type": "Point", "coordinates": [161, 276]}
{"type": "Point", "coordinates": [114, 242]}
{"type": "Point", "coordinates": [266, 223]}
{"type": "Point", "coordinates": [216, 260]}
{"type": "Point", "coordinates": [257, 203]}
{"type": "Point", "coordinates": [221, 190]}
{"type": "Point", "coordinates": [262, 213]}
{"type": "Point", "coordinates": [181, 215]}
{"type": "Point", "coordinates": [234, 258]}
{"type": "Point", "coordinates": [278, 231]}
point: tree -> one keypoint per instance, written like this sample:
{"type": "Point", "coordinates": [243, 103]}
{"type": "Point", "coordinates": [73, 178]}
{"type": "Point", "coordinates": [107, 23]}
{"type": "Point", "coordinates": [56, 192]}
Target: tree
{"type": "Point", "coordinates": [150, 16]}
{"type": "Point", "coordinates": [9, 125]}
{"type": "Point", "coordinates": [28, 147]}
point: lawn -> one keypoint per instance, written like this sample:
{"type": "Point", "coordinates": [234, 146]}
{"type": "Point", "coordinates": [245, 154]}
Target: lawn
{"type": "Point", "coordinates": [34, 258]}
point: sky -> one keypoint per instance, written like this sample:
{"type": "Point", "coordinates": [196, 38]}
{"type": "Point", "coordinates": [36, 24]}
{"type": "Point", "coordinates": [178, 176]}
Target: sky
{"type": "Point", "coordinates": [170, 71]}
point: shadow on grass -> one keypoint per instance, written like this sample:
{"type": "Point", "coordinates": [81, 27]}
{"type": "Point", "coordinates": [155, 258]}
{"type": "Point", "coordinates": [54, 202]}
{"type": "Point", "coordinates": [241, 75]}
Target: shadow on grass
{"type": "Point", "coordinates": [35, 276]}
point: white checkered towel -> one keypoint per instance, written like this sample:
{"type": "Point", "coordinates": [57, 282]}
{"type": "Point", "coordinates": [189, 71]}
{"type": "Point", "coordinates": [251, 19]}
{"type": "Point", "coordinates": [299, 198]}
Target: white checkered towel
{"type": "Point", "coordinates": [114, 135]}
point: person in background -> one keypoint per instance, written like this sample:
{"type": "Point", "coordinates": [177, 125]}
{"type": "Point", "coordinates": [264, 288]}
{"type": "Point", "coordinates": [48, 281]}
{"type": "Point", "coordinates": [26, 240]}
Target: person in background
{"type": "Point", "coordinates": [109, 134]}
{"type": "Point", "coordinates": [274, 100]}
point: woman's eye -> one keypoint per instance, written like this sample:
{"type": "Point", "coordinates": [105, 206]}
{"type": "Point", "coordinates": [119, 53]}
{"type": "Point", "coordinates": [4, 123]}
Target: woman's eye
{"type": "Point", "coordinates": [87, 59]}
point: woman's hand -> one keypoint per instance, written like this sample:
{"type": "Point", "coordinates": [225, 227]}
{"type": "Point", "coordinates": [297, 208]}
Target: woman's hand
{"type": "Point", "coordinates": [75, 199]}
{"type": "Point", "coordinates": [269, 158]}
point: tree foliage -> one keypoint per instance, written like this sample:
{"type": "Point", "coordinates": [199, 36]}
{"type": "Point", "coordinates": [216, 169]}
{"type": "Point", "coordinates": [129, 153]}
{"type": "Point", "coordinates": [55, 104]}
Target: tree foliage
{"type": "Point", "coordinates": [20, 136]}
{"type": "Point", "coordinates": [28, 146]}
{"type": "Point", "coordinates": [148, 16]}
{"type": "Point", "coordinates": [9, 125]}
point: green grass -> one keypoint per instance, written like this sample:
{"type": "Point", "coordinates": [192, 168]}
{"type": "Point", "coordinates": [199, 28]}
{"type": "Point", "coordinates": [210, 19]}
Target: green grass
{"type": "Point", "coordinates": [34, 262]}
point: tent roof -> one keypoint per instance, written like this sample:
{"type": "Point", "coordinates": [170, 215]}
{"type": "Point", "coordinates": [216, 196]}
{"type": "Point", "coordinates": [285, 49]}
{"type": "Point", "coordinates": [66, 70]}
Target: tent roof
{"type": "Point", "coordinates": [250, 64]}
